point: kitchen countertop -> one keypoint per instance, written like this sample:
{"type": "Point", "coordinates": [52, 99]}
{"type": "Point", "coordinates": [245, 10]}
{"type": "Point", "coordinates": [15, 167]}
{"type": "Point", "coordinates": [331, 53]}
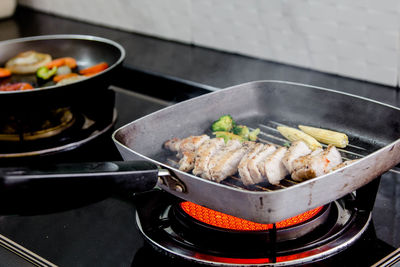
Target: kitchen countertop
{"type": "Point", "coordinates": [198, 67]}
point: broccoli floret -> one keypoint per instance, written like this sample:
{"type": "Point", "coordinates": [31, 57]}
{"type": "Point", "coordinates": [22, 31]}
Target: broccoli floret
{"type": "Point", "coordinates": [225, 123]}
{"type": "Point", "coordinates": [228, 136]}
{"type": "Point", "coordinates": [242, 131]}
{"type": "Point", "coordinates": [253, 134]}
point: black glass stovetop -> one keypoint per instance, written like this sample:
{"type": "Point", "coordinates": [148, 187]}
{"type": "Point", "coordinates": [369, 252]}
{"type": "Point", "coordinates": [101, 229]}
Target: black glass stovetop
{"type": "Point", "coordinates": [91, 227]}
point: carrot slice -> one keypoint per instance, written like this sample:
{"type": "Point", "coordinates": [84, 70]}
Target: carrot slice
{"type": "Point", "coordinates": [4, 73]}
{"type": "Point", "coordinates": [25, 86]}
{"type": "Point", "coordinates": [55, 63]}
{"type": "Point", "coordinates": [94, 69]}
{"type": "Point", "coordinates": [69, 61]}
{"type": "Point", "coordinates": [58, 78]}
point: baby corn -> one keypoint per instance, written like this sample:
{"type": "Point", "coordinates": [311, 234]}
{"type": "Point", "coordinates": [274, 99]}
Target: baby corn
{"type": "Point", "coordinates": [293, 134]}
{"type": "Point", "coordinates": [326, 136]}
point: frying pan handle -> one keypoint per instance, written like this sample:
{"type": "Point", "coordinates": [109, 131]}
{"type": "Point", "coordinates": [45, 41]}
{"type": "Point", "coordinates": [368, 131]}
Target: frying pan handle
{"type": "Point", "coordinates": [135, 176]}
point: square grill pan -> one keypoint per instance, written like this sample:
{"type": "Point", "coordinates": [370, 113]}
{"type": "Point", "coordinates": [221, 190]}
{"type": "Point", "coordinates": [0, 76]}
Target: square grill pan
{"type": "Point", "coordinates": [373, 130]}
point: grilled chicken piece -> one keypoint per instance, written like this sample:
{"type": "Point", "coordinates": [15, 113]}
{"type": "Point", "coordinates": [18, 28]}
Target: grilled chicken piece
{"type": "Point", "coordinates": [274, 168]}
{"type": "Point", "coordinates": [318, 164]}
{"type": "Point", "coordinates": [304, 160]}
{"type": "Point", "coordinates": [186, 163]}
{"type": "Point", "coordinates": [204, 154]}
{"type": "Point", "coordinates": [296, 150]}
{"type": "Point", "coordinates": [343, 164]}
{"type": "Point", "coordinates": [173, 144]}
{"type": "Point", "coordinates": [228, 164]}
{"type": "Point", "coordinates": [254, 164]}
{"type": "Point", "coordinates": [218, 156]}
{"type": "Point", "coordinates": [260, 165]}
{"type": "Point", "coordinates": [190, 143]}
{"type": "Point", "coordinates": [186, 149]}
{"type": "Point", "coordinates": [243, 169]}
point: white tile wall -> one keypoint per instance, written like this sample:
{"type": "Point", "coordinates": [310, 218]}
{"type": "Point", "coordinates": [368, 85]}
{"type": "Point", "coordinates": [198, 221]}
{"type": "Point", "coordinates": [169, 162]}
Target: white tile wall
{"type": "Point", "coordinates": [358, 38]}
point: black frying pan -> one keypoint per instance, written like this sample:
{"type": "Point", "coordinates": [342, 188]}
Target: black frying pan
{"type": "Point", "coordinates": [87, 50]}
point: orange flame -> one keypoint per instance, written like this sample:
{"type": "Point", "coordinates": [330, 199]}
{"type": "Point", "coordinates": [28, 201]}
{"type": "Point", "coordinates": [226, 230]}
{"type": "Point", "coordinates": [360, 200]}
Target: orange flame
{"type": "Point", "coordinates": [222, 220]}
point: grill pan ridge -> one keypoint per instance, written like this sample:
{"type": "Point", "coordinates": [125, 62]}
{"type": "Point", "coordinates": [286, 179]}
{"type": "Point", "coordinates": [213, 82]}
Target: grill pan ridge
{"type": "Point", "coordinates": [372, 128]}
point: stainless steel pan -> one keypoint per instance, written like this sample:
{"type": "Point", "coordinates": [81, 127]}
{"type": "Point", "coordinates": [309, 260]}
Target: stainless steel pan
{"type": "Point", "coordinates": [373, 128]}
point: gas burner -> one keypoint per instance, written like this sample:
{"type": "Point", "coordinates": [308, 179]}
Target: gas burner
{"type": "Point", "coordinates": [28, 132]}
{"type": "Point", "coordinates": [47, 130]}
{"type": "Point", "coordinates": [35, 125]}
{"type": "Point", "coordinates": [74, 130]}
{"type": "Point", "coordinates": [223, 229]}
{"type": "Point", "coordinates": [199, 235]}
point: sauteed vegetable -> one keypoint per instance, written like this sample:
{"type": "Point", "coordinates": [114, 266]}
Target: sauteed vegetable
{"type": "Point", "coordinates": [225, 127]}
{"type": "Point", "coordinates": [224, 123]}
{"type": "Point", "coordinates": [4, 72]}
{"type": "Point", "coordinates": [27, 62]}
{"type": "Point", "coordinates": [44, 73]}
{"type": "Point", "coordinates": [18, 71]}
{"type": "Point", "coordinates": [293, 134]}
{"type": "Point", "coordinates": [64, 61]}
{"type": "Point", "coordinates": [94, 69]}
{"type": "Point", "coordinates": [312, 136]}
{"type": "Point", "coordinates": [326, 136]}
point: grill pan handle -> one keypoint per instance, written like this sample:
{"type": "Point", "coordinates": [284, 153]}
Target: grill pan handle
{"type": "Point", "coordinates": [135, 176]}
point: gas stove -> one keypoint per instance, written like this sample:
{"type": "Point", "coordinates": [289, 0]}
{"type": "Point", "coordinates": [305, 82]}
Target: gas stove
{"type": "Point", "coordinates": [86, 226]}
{"type": "Point", "coordinates": [186, 233]}
{"type": "Point", "coordinates": [189, 232]}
